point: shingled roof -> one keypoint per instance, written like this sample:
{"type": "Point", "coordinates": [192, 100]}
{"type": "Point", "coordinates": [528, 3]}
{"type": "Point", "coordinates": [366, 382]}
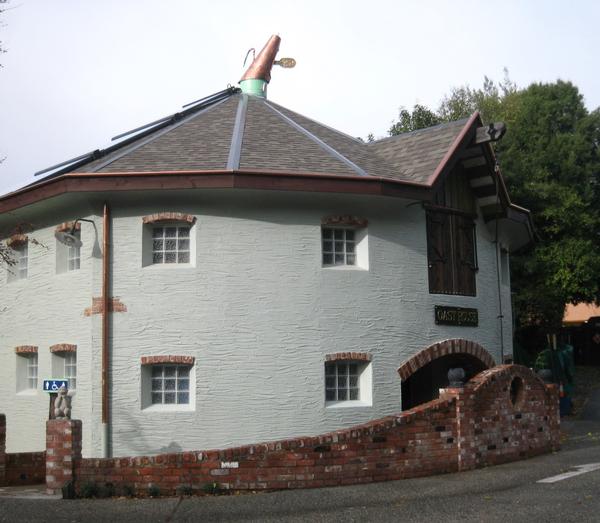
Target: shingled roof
{"type": "Point", "coordinates": [250, 133]}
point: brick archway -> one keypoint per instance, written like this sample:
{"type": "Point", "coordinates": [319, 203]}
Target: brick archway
{"type": "Point", "coordinates": [444, 348]}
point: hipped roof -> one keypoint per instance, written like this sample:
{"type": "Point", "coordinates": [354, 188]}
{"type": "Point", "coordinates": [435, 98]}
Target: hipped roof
{"type": "Point", "coordinates": [239, 140]}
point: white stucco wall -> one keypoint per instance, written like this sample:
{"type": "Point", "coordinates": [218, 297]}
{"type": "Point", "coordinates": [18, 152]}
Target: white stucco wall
{"type": "Point", "coordinates": [257, 310]}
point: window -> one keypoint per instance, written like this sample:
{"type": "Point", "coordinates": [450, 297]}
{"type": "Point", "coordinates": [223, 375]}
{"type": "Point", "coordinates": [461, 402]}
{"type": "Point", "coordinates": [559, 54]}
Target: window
{"type": "Point", "coordinates": [18, 271]}
{"type": "Point", "coordinates": [64, 365]}
{"type": "Point", "coordinates": [74, 254]}
{"type": "Point", "coordinates": [339, 246]}
{"type": "Point", "coordinates": [27, 372]}
{"type": "Point", "coordinates": [170, 385]}
{"type": "Point", "coordinates": [171, 244]}
{"type": "Point", "coordinates": [451, 253]}
{"type": "Point", "coordinates": [348, 383]}
{"type": "Point", "coordinates": [70, 372]}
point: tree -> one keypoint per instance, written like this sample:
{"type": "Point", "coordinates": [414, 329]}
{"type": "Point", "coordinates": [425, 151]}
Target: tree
{"type": "Point", "coordinates": [550, 158]}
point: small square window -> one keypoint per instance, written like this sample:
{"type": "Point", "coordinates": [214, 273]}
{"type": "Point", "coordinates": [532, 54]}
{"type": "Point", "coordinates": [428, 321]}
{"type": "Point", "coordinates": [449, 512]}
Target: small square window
{"type": "Point", "coordinates": [347, 383]}
{"type": "Point", "coordinates": [169, 385]}
{"type": "Point", "coordinates": [68, 257]}
{"type": "Point", "coordinates": [339, 246]}
{"type": "Point", "coordinates": [167, 245]}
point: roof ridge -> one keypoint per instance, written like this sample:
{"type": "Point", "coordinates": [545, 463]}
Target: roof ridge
{"type": "Point", "coordinates": [321, 143]}
{"type": "Point", "coordinates": [423, 129]}
{"type": "Point", "coordinates": [237, 135]}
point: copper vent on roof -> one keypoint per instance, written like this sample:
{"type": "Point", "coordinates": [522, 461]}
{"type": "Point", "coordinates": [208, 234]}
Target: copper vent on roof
{"type": "Point", "coordinates": [260, 69]}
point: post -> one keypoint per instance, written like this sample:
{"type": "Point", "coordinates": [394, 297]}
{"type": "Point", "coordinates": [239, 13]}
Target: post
{"type": "Point", "coordinates": [63, 447]}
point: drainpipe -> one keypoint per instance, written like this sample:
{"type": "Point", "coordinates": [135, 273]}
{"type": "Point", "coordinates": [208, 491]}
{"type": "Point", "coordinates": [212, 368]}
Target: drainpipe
{"type": "Point", "coordinates": [105, 331]}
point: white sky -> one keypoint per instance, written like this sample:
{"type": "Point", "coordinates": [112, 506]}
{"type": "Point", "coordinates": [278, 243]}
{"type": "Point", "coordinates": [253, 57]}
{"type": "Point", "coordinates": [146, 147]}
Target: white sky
{"type": "Point", "coordinates": [78, 72]}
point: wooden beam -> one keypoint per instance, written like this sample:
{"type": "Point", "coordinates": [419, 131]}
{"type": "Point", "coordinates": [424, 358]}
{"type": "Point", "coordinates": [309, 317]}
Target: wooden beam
{"type": "Point", "coordinates": [490, 133]}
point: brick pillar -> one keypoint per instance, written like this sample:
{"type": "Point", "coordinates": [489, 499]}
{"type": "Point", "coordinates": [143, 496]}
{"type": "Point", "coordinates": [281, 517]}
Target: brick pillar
{"type": "Point", "coordinates": [63, 447]}
{"type": "Point", "coordinates": [2, 450]}
{"type": "Point", "coordinates": [465, 424]}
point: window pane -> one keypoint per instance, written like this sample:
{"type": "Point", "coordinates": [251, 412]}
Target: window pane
{"type": "Point", "coordinates": [353, 394]}
{"type": "Point", "coordinates": [170, 257]}
{"type": "Point", "coordinates": [353, 381]}
{"type": "Point", "coordinates": [341, 368]}
{"type": "Point", "coordinates": [170, 371]}
{"type": "Point", "coordinates": [338, 234]}
{"type": "Point", "coordinates": [327, 259]}
{"type": "Point", "coordinates": [341, 382]}
{"type": "Point", "coordinates": [157, 232]}
{"type": "Point", "coordinates": [327, 246]}
{"type": "Point", "coordinates": [330, 369]}
{"type": "Point", "coordinates": [349, 235]}
{"type": "Point", "coordinates": [339, 246]}
{"type": "Point", "coordinates": [157, 384]}
{"type": "Point", "coordinates": [353, 368]}
{"type": "Point", "coordinates": [170, 232]}
{"type": "Point", "coordinates": [170, 245]}
{"type": "Point", "coordinates": [350, 247]}
{"type": "Point", "coordinates": [183, 371]}
{"type": "Point", "coordinates": [330, 395]}
{"type": "Point", "coordinates": [183, 257]}
{"type": "Point", "coordinates": [183, 397]}
{"type": "Point", "coordinates": [330, 382]}
{"type": "Point", "coordinates": [183, 384]}
{"type": "Point", "coordinates": [184, 232]}
{"type": "Point", "coordinates": [339, 259]}
{"type": "Point", "coordinates": [327, 233]}
{"type": "Point", "coordinates": [342, 394]}
{"type": "Point", "coordinates": [351, 259]}
{"type": "Point", "coordinates": [157, 245]}
{"type": "Point", "coordinates": [156, 398]}
{"type": "Point", "coordinates": [183, 245]}
{"type": "Point", "coordinates": [157, 370]}
{"type": "Point", "coordinates": [169, 397]}
{"type": "Point", "coordinates": [157, 257]}
{"type": "Point", "coordinates": [169, 384]}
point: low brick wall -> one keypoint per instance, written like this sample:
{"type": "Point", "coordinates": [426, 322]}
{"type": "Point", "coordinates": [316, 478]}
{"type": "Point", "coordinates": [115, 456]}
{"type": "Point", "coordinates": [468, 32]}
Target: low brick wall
{"type": "Point", "coordinates": [26, 468]}
{"type": "Point", "coordinates": [503, 414]}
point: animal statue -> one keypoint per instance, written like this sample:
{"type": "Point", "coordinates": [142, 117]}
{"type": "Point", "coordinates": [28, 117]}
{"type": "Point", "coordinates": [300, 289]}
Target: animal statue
{"type": "Point", "coordinates": [62, 405]}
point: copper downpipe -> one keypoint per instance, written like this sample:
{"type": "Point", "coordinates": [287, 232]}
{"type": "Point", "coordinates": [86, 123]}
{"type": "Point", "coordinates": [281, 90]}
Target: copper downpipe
{"type": "Point", "coordinates": [105, 325]}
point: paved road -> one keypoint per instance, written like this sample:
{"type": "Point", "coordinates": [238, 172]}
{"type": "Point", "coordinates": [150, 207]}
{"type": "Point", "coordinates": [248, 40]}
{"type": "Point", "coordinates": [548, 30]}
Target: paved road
{"type": "Point", "coordinates": [507, 493]}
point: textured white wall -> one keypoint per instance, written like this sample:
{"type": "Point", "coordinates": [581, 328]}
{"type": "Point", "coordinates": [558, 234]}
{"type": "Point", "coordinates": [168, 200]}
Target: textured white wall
{"type": "Point", "coordinates": [257, 311]}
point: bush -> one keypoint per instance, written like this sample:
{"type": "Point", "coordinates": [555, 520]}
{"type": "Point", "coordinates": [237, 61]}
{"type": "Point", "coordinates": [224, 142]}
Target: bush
{"type": "Point", "coordinates": [212, 488]}
{"type": "Point", "coordinates": [128, 491]}
{"type": "Point", "coordinates": [89, 490]}
{"type": "Point", "coordinates": [184, 490]}
{"type": "Point", "coordinates": [153, 491]}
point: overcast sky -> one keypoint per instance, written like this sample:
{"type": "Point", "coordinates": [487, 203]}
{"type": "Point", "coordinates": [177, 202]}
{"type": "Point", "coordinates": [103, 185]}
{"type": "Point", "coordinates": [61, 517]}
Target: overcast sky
{"type": "Point", "coordinates": [78, 72]}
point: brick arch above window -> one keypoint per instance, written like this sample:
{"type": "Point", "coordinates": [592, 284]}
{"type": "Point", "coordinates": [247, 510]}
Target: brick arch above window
{"type": "Point", "coordinates": [67, 226]}
{"type": "Point", "coordinates": [444, 348]}
{"type": "Point", "coordinates": [167, 358]}
{"type": "Point", "coordinates": [16, 241]}
{"type": "Point", "coordinates": [26, 349]}
{"type": "Point", "coordinates": [63, 347]}
{"type": "Point", "coordinates": [162, 217]}
{"type": "Point", "coordinates": [349, 356]}
{"type": "Point", "coordinates": [346, 220]}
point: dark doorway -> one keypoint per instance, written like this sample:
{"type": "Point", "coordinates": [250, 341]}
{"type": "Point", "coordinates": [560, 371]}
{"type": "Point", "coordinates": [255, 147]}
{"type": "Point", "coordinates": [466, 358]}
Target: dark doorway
{"type": "Point", "coordinates": [424, 384]}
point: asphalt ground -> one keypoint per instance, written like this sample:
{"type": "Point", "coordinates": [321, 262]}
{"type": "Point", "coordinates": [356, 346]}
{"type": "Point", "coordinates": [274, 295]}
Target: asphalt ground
{"type": "Point", "coordinates": [507, 493]}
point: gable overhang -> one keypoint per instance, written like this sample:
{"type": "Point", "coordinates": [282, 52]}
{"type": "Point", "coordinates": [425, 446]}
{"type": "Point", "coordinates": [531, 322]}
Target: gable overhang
{"type": "Point", "coordinates": [512, 224]}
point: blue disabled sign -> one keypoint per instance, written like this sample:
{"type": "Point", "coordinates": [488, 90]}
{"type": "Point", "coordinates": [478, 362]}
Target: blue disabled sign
{"type": "Point", "coordinates": [54, 385]}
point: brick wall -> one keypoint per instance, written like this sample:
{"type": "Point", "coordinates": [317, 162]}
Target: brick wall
{"type": "Point", "coordinates": [63, 448]}
{"type": "Point", "coordinates": [503, 414]}
{"type": "Point", "coordinates": [24, 468]}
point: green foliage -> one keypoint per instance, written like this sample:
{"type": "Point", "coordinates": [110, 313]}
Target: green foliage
{"type": "Point", "coordinates": [89, 490]}
{"type": "Point", "coordinates": [550, 159]}
{"type": "Point", "coordinates": [419, 118]}
{"type": "Point", "coordinates": [128, 491]}
{"type": "Point", "coordinates": [212, 488]}
{"type": "Point", "coordinates": [153, 491]}
{"type": "Point", "coordinates": [184, 490]}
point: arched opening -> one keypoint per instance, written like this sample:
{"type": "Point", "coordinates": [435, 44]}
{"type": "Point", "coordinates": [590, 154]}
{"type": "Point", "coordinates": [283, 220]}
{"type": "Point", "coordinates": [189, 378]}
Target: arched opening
{"type": "Point", "coordinates": [427, 371]}
{"type": "Point", "coordinates": [424, 384]}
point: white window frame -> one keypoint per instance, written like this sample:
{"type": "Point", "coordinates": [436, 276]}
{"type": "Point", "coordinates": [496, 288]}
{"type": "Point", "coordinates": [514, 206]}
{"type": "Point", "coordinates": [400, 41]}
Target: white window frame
{"type": "Point", "coordinates": [153, 385]}
{"type": "Point", "coordinates": [27, 373]}
{"type": "Point", "coordinates": [68, 257]}
{"type": "Point", "coordinates": [64, 364]}
{"type": "Point", "coordinates": [151, 239]}
{"type": "Point", "coordinates": [20, 270]}
{"type": "Point", "coordinates": [339, 251]}
{"type": "Point", "coordinates": [339, 380]}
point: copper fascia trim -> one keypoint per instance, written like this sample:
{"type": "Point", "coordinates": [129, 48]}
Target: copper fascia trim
{"type": "Point", "coordinates": [261, 66]}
